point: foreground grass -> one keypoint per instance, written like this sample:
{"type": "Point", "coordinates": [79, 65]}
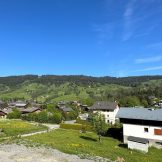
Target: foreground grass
{"type": "Point", "coordinates": [73, 142]}
{"type": "Point", "coordinates": [18, 127]}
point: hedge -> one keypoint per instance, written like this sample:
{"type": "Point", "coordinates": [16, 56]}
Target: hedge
{"type": "Point", "coordinates": [76, 127]}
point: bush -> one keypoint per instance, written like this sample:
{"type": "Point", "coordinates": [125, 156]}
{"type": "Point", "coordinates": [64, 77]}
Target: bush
{"type": "Point", "coordinates": [56, 118]}
{"type": "Point", "coordinates": [15, 114]}
{"type": "Point", "coordinates": [44, 117]}
{"type": "Point", "coordinates": [70, 116]}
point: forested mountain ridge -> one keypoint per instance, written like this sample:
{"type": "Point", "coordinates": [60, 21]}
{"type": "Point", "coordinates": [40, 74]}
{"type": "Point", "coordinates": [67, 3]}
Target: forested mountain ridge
{"type": "Point", "coordinates": [129, 91]}
{"type": "Point", "coordinates": [77, 79]}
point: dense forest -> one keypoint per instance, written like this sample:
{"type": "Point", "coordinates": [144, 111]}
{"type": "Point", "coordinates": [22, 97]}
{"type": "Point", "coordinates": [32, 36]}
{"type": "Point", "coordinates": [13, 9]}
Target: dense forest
{"type": "Point", "coordinates": [129, 91]}
{"type": "Point", "coordinates": [77, 79]}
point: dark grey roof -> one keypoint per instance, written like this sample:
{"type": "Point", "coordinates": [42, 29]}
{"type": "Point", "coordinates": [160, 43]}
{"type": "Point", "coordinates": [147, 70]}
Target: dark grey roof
{"type": "Point", "coordinates": [140, 113]}
{"type": "Point", "coordinates": [67, 109]}
{"type": "Point", "coordinates": [30, 110]}
{"type": "Point", "coordinates": [137, 139]}
{"type": "Point", "coordinates": [103, 105]}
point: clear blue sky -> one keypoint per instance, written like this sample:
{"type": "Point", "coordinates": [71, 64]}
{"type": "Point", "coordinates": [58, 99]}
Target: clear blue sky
{"type": "Point", "coordinates": [90, 37]}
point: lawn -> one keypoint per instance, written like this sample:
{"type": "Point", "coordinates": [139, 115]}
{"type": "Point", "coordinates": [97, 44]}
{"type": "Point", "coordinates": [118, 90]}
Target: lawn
{"type": "Point", "coordinates": [74, 142]}
{"type": "Point", "coordinates": [17, 127]}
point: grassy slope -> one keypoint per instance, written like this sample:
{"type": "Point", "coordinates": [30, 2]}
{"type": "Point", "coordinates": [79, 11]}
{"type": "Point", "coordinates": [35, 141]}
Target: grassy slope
{"type": "Point", "coordinates": [67, 91]}
{"type": "Point", "coordinates": [73, 142]}
{"type": "Point", "coordinates": [17, 127]}
{"type": "Point", "coordinates": [54, 93]}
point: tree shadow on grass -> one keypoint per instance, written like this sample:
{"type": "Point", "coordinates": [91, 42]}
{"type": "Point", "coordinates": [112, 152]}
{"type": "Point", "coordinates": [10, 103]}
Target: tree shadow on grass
{"type": "Point", "coordinates": [88, 138]}
{"type": "Point", "coordinates": [123, 145]}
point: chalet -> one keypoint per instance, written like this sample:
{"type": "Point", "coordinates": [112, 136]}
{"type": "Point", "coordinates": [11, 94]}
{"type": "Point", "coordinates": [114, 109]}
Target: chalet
{"type": "Point", "coordinates": [2, 114]}
{"type": "Point", "coordinates": [66, 109]}
{"type": "Point", "coordinates": [18, 104]}
{"type": "Point", "coordinates": [84, 108]}
{"type": "Point", "coordinates": [108, 109]}
{"type": "Point", "coordinates": [142, 127]}
{"type": "Point", "coordinates": [30, 110]}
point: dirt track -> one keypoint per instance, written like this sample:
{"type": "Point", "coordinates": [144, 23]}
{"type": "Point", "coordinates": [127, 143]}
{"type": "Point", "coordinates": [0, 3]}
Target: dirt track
{"type": "Point", "coordinates": [20, 153]}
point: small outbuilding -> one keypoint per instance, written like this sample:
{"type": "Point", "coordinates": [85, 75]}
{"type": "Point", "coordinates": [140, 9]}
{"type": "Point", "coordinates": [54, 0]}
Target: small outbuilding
{"type": "Point", "coordinates": [136, 143]}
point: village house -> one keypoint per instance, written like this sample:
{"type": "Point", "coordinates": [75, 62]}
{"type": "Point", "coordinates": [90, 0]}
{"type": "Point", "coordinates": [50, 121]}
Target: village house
{"type": "Point", "coordinates": [66, 109]}
{"type": "Point", "coordinates": [142, 127]}
{"type": "Point", "coordinates": [18, 104]}
{"type": "Point", "coordinates": [84, 108]}
{"type": "Point", "coordinates": [4, 112]}
{"type": "Point", "coordinates": [31, 110]}
{"type": "Point", "coordinates": [108, 109]}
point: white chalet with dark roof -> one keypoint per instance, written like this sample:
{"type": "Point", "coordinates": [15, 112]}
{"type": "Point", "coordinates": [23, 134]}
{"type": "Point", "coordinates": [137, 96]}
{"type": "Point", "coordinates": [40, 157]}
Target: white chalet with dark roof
{"type": "Point", "coordinates": [141, 124]}
{"type": "Point", "coordinates": [108, 109]}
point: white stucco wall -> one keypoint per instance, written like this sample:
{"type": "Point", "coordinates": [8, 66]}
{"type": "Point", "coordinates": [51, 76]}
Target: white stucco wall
{"type": "Point", "coordinates": [138, 146]}
{"type": "Point", "coordinates": [138, 131]}
{"type": "Point", "coordinates": [110, 116]}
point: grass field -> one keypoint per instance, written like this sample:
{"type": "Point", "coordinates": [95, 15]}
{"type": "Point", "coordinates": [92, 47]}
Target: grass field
{"type": "Point", "coordinates": [74, 142]}
{"type": "Point", "coordinates": [17, 127]}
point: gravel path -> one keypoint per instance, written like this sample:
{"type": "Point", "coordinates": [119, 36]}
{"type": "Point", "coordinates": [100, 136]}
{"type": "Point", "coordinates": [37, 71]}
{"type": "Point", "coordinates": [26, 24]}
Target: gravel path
{"type": "Point", "coordinates": [21, 153]}
{"type": "Point", "coordinates": [50, 127]}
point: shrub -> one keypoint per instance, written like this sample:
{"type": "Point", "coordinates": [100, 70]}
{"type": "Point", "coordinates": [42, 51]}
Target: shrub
{"type": "Point", "coordinates": [44, 117]}
{"type": "Point", "coordinates": [56, 118]}
{"type": "Point", "coordinates": [15, 114]}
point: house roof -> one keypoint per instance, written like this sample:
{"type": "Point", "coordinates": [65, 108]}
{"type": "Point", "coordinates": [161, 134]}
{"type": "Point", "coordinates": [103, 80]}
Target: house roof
{"type": "Point", "coordinates": [2, 113]}
{"type": "Point", "coordinates": [137, 139]}
{"type": "Point", "coordinates": [66, 109]}
{"type": "Point", "coordinates": [103, 105]}
{"type": "Point", "coordinates": [140, 114]}
{"type": "Point", "coordinates": [18, 104]}
{"type": "Point", "coordinates": [30, 110]}
{"type": "Point", "coordinates": [7, 110]}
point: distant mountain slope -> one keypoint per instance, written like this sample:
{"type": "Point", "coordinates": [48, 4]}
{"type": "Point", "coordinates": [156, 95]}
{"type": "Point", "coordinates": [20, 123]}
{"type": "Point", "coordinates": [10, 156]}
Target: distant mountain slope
{"type": "Point", "coordinates": [52, 88]}
{"type": "Point", "coordinates": [77, 79]}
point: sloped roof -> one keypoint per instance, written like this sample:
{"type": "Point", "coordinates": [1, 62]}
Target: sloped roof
{"type": "Point", "coordinates": [140, 113]}
{"type": "Point", "coordinates": [138, 140]}
{"type": "Point", "coordinates": [7, 111]}
{"type": "Point", "coordinates": [66, 109]}
{"type": "Point", "coordinates": [18, 104]}
{"type": "Point", "coordinates": [30, 110]}
{"type": "Point", "coordinates": [103, 105]}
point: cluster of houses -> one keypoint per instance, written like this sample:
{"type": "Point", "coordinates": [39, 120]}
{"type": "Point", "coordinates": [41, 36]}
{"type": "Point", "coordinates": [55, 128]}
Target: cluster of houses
{"type": "Point", "coordinates": [31, 107]}
{"type": "Point", "coordinates": [64, 106]}
{"type": "Point", "coordinates": [23, 107]}
{"type": "Point", "coordinates": [142, 127]}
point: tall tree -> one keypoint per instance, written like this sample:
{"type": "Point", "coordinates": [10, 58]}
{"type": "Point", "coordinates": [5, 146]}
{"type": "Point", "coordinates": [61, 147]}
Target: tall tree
{"type": "Point", "coordinates": [99, 124]}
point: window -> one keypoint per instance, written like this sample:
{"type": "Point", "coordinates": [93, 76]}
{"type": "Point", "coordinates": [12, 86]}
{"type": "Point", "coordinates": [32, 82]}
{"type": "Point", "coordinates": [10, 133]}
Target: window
{"type": "Point", "coordinates": [107, 115]}
{"type": "Point", "coordinates": [146, 130]}
{"type": "Point", "coordinates": [108, 121]}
